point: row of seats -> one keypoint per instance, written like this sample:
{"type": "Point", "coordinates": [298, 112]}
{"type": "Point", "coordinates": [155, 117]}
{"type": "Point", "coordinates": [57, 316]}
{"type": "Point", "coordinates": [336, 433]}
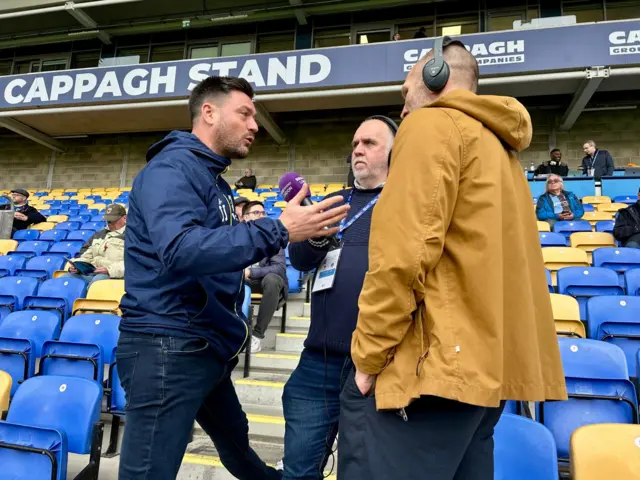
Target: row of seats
{"type": "Point", "coordinates": [597, 200]}
{"type": "Point", "coordinates": [619, 259]}
{"type": "Point", "coordinates": [85, 232]}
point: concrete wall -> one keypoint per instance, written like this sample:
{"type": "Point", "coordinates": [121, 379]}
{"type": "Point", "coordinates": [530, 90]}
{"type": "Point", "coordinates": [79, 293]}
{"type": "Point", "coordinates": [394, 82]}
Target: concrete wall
{"type": "Point", "coordinates": [316, 150]}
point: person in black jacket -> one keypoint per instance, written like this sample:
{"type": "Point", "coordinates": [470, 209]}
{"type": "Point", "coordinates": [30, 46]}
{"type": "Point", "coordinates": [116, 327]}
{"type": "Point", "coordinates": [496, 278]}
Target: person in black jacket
{"type": "Point", "coordinates": [25, 214]}
{"type": "Point", "coordinates": [596, 163]}
{"type": "Point", "coordinates": [268, 277]}
{"type": "Point", "coordinates": [248, 181]}
{"type": "Point", "coordinates": [311, 398]}
{"type": "Point", "coordinates": [554, 165]}
{"type": "Point", "coordinates": [627, 226]}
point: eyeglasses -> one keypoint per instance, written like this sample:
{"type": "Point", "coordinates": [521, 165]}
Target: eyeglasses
{"type": "Point", "coordinates": [256, 213]}
{"type": "Point", "coordinates": [555, 181]}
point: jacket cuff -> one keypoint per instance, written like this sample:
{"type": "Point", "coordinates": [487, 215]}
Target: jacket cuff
{"type": "Point", "coordinates": [284, 233]}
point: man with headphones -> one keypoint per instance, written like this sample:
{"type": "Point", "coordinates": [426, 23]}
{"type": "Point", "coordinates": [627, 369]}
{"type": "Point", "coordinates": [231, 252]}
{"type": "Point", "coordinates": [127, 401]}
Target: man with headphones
{"type": "Point", "coordinates": [454, 315]}
{"type": "Point", "coordinates": [311, 399]}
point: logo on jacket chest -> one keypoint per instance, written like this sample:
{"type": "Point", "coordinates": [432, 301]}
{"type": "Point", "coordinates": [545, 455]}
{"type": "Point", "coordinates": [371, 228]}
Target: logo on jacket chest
{"type": "Point", "coordinates": [223, 206]}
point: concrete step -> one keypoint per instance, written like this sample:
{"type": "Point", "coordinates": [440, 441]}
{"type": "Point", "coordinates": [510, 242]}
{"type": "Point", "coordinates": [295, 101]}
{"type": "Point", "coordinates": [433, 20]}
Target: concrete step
{"type": "Point", "coordinates": [306, 309]}
{"type": "Point", "coordinates": [261, 389]}
{"type": "Point", "coordinates": [290, 342]}
{"type": "Point", "coordinates": [271, 361]}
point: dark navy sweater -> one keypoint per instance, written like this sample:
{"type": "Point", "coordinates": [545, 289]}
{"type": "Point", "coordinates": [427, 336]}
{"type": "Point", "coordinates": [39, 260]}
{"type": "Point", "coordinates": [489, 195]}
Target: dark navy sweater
{"type": "Point", "coordinates": [334, 312]}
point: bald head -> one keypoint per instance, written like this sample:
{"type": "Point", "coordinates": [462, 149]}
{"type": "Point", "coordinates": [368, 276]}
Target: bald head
{"type": "Point", "coordinates": [371, 145]}
{"type": "Point", "coordinates": [464, 74]}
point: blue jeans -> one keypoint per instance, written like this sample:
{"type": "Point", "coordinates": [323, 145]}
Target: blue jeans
{"type": "Point", "coordinates": [632, 244]}
{"type": "Point", "coordinates": [88, 279]}
{"type": "Point", "coordinates": [311, 403]}
{"type": "Point", "coordinates": [169, 382]}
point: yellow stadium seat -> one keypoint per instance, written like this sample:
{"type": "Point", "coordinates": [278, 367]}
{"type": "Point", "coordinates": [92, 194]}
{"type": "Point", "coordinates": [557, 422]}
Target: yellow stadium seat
{"type": "Point", "coordinates": [85, 191]}
{"type": "Point", "coordinates": [544, 227]}
{"type": "Point", "coordinates": [566, 316]}
{"type": "Point", "coordinates": [43, 226]}
{"type": "Point", "coordinates": [86, 202]}
{"type": "Point", "coordinates": [71, 190]}
{"type": "Point", "coordinates": [44, 199]}
{"type": "Point", "coordinates": [125, 189]}
{"type": "Point", "coordinates": [594, 200]}
{"type": "Point", "coordinates": [57, 218]}
{"type": "Point", "coordinates": [7, 246]}
{"type": "Point", "coordinates": [103, 296]}
{"type": "Point", "coordinates": [99, 206]}
{"type": "Point", "coordinates": [265, 185]}
{"type": "Point", "coordinates": [589, 241]}
{"type": "Point", "coordinates": [556, 258]}
{"type": "Point", "coordinates": [316, 185]}
{"type": "Point", "coordinates": [280, 204]}
{"type": "Point", "coordinates": [595, 217]}
{"type": "Point", "coordinates": [113, 189]}
{"type": "Point", "coordinates": [337, 186]}
{"type": "Point", "coordinates": [243, 192]}
{"type": "Point", "coordinates": [269, 194]}
{"type": "Point", "coordinates": [5, 390]}
{"type": "Point", "coordinates": [605, 451]}
{"type": "Point", "coordinates": [610, 207]}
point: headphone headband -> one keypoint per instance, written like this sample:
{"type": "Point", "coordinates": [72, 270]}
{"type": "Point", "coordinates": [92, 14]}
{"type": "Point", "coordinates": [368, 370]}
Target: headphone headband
{"type": "Point", "coordinates": [393, 126]}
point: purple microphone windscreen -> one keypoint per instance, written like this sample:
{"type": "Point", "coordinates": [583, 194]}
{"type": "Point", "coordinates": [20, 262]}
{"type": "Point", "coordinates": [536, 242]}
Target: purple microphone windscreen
{"type": "Point", "coordinates": [290, 185]}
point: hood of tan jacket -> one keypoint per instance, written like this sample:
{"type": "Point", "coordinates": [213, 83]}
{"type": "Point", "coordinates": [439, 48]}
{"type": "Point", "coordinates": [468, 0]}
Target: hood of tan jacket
{"type": "Point", "coordinates": [455, 303]}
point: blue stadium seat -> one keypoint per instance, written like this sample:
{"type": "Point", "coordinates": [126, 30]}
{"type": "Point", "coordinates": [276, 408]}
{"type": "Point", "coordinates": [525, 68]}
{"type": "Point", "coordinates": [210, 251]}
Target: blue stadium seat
{"type": "Point", "coordinates": [48, 212]}
{"type": "Point", "coordinates": [83, 208]}
{"type": "Point", "coordinates": [295, 280]}
{"type": "Point", "coordinates": [616, 320]}
{"type": "Point", "coordinates": [567, 228]}
{"type": "Point", "coordinates": [514, 435]}
{"type": "Point", "coordinates": [68, 226]}
{"type": "Point", "coordinates": [583, 283]}
{"type": "Point", "coordinates": [628, 199]}
{"type": "Point", "coordinates": [599, 390]}
{"type": "Point", "coordinates": [550, 239]}
{"type": "Point", "coordinates": [94, 225]}
{"type": "Point", "coordinates": [41, 194]}
{"type": "Point", "coordinates": [80, 218]}
{"type": "Point", "coordinates": [97, 218]}
{"type": "Point", "coordinates": [631, 281]}
{"type": "Point", "coordinates": [64, 210]}
{"type": "Point", "coordinates": [81, 234]}
{"type": "Point", "coordinates": [53, 202]}
{"type": "Point", "coordinates": [13, 290]}
{"type": "Point", "coordinates": [605, 226]}
{"type": "Point", "coordinates": [71, 201]}
{"type": "Point", "coordinates": [66, 248]}
{"type": "Point", "coordinates": [246, 301]}
{"type": "Point", "coordinates": [70, 194]}
{"type": "Point", "coordinates": [21, 337]}
{"type": "Point", "coordinates": [57, 294]}
{"type": "Point", "coordinates": [41, 267]}
{"type": "Point", "coordinates": [50, 417]}
{"type": "Point", "coordinates": [93, 197]}
{"type": "Point", "coordinates": [37, 247]}
{"type": "Point", "coordinates": [26, 235]}
{"type": "Point", "coordinates": [54, 235]}
{"type": "Point", "coordinates": [587, 207]}
{"type": "Point", "coordinates": [117, 400]}
{"type": "Point", "coordinates": [617, 258]}
{"type": "Point", "coordinates": [87, 343]}
{"type": "Point", "coordinates": [10, 263]}
{"type": "Point", "coordinates": [549, 280]}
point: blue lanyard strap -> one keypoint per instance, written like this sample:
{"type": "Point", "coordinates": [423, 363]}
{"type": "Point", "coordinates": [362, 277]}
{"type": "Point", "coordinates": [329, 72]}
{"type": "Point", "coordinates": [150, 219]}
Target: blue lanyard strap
{"type": "Point", "coordinates": [593, 160]}
{"type": "Point", "coordinates": [344, 224]}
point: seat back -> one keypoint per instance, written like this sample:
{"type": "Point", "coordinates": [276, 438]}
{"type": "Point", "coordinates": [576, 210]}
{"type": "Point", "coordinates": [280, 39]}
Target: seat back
{"type": "Point", "coordinates": [94, 225]}
{"type": "Point", "coordinates": [583, 283]}
{"type": "Point", "coordinates": [626, 199]}
{"type": "Point", "coordinates": [566, 316]}
{"type": "Point", "coordinates": [22, 464]}
{"type": "Point", "coordinates": [58, 218]}
{"type": "Point", "coordinates": [66, 288]}
{"type": "Point", "coordinates": [597, 216]}
{"type": "Point", "coordinates": [10, 263]}
{"type": "Point", "coordinates": [611, 207]}
{"type": "Point", "coordinates": [106, 290]}
{"type": "Point", "coordinates": [8, 246]}
{"type": "Point", "coordinates": [556, 258]}
{"type": "Point", "coordinates": [68, 225]}
{"type": "Point", "coordinates": [549, 280]}
{"type": "Point", "coordinates": [67, 404]}
{"type": "Point", "coordinates": [66, 248]}
{"type": "Point", "coordinates": [566, 228]}
{"type": "Point", "coordinates": [26, 235]}
{"type": "Point", "coordinates": [515, 435]}
{"type": "Point", "coordinates": [82, 234]}
{"type": "Point", "coordinates": [43, 267]}
{"type": "Point", "coordinates": [294, 279]}
{"type": "Point", "coordinates": [551, 239]}
{"type": "Point", "coordinates": [38, 247]}
{"type": "Point", "coordinates": [37, 326]}
{"type": "Point", "coordinates": [605, 451]}
{"type": "Point", "coordinates": [594, 200]}
{"type": "Point", "coordinates": [5, 391]}
{"type": "Point", "coordinates": [80, 218]}
{"type": "Point", "coordinates": [589, 241]}
{"type": "Point", "coordinates": [619, 259]}
{"type": "Point", "coordinates": [99, 329]}
{"type": "Point", "coordinates": [18, 288]}
{"type": "Point", "coordinates": [544, 226]}
{"type": "Point", "coordinates": [605, 226]}
{"type": "Point", "coordinates": [631, 281]}
{"type": "Point", "coordinates": [54, 235]}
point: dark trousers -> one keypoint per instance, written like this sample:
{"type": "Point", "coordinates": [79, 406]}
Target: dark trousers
{"type": "Point", "coordinates": [633, 242]}
{"type": "Point", "coordinates": [439, 439]}
{"type": "Point", "coordinates": [311, 403]}
{"type": "Point", "coordinates": [271, 286]}
{"type": "Point", "coordinates": [169, 382]}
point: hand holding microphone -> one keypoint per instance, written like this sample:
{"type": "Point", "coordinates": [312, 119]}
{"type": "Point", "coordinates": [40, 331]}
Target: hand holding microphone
{"type": "Point", "coordinates": [304, 219]}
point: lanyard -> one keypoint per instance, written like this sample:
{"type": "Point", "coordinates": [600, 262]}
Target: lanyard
{"type": "Point", "coordinates": [593, 160]}
{"type": "Point", "coordinates": [344, 224]}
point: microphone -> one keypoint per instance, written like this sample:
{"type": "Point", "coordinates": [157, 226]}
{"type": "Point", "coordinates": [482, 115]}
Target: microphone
{"type": "Point", "coordinates": [290, 185]}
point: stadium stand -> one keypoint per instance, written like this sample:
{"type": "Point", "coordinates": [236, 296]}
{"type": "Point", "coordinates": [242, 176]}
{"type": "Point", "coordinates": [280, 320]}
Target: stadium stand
{"type": "Point", "coordinates": [583, 283]}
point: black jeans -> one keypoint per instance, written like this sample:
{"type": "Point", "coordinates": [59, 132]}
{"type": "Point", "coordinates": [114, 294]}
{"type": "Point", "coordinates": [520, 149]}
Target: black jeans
{"type": "Point", "coordinates": [271, 286]}
{"type": "Point", "coordinates": [169, 382]}
{"type": "Point", "coordinates": [438, 439]}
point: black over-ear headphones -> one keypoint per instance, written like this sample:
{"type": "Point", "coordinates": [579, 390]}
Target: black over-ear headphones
{"type": "Point", "coordinates": [393, 126]}
{"type": "Point", "coordinates": [435, 73]}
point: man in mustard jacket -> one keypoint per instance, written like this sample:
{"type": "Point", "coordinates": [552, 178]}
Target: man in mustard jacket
{"type": "Point", "coordinates": [455, 316]}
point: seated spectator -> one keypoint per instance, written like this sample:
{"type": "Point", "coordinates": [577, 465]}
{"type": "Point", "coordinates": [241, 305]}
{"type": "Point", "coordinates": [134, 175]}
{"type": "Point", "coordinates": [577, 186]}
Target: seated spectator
{"type": "Point", "coordinates": [421, 33]}
{"type": "Point", "coordinates": [238, 205]}
{"type": "Point", "coordinates": [105, 249]}
{"type": "Point", "coordinates": [248, 181]}
{"type": "Point", "coordinates": [25, 215]}
{"type": "Point", "coordinates": [627, 226]}
{"type": "Point", "coordinates": [554, 165]}
{"type": "Point", "coordinates": [396, 37]}
{"type": "Point", "coordinates": [558, 204]}
{"type": "Point", "coordinates": [268, 277]}
{"type": "Point", "coordinates": [596, 163]}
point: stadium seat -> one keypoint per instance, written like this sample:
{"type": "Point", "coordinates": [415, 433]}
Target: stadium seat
{"type": "Point", "coordinates": [66, 248]}
{"type": "Point", "coordinates": [619, 259]}
{"type": "Point", "coordinates": [588, 207]}
{"type": "Point", "coordinates": [594, 200]}
{"type": "Point", "coordinates": [68, 225]}
{"type": "Point", "coordinates": [567, 228]}
{"type": "Point", "coordinates": [82, 235]}
{"type": "Point", "coordinates": [549, 281]}
{"type": "Point", "coordinates": [550, 239]}
{"type": "Point", "coordinates": [87, 343]}
{"type": "Point", "coordinates": [26, 235]}
{"type": "Point", "coordinates": [616, 320]}
{"type": "Point", "coordinates": [37, 247]}
{"type": "Point", "coordinates": [54, 235]}
{"type": "Point", "coordinates": [611, 207]}
{"type": "Point", "coordinates": [41, 267]}
{"type": "Point", "coordinates": [597, 216]}
{"type": "Point", "coordinates": [295, 280]}
{"type": "Point", "coordinates": [606, 451]}
{"type": "Point", "coordinates": [57, 294]}
{"type": "Point", "coordinates": [583, 283]}
{"type": "Point", "coordinates": [10, 263]}
{"type": "Point", "coordinates": [43, 226]}
{"type": "Point", "coordinates": [566, 316]}
{"type": "Point", "coordinates": [556, 258]}
{"type": "Point", "coordinates": [599, 391]}
{"type": "Point", "coordinates": [94, 225]}
{"type": "Point", "coordinates": [80, 218]}
{"type": "Point", "coordinates": [58, 218]}
{"type": "Point", "coordinates": [589, 241]}
{"type": "Point", "coordinates": [21, 337]}
{"type": "Point", "coordinates": [50, 417]}
{"type": "Point", "coordinates": [103, 297]}
{"type": "Point", "coordinates": [631, 281]}
{"type": "Point", "coordinates": [7, 246]}
{"type": "Point", "coordinates": [5, 392]}
{"type": "Point", "coordinates": [626, 199]}
{"type": "Point", "coordinates": [523, 450]}
{"type": "Point", "coordinates": [605, 226]}
{"type": "Point", "coordinates": [543, 226]}
{"type": "Point", "coordinates": [13, 290]}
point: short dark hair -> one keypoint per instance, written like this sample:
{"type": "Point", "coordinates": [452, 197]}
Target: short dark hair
{"type": "Point", "coordinates": [214, 87]}
{"type": "Point", "coordinates": [554, 150]}
{"type": "Point", "coordinates": [249, 205]}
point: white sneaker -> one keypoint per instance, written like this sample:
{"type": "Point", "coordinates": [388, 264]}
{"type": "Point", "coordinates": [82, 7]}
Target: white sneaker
{"type": "Point", "coordinates": [280, 466]}
{"type": "Point", "coordinates": [256, 345]}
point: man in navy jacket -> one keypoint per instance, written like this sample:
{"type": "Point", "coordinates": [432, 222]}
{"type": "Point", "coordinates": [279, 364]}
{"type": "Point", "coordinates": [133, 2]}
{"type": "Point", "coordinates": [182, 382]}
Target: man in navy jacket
{"type": "Point", "coordinates": [185, 253]}
{"type": "Point", "coordinates": [596, 163]}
